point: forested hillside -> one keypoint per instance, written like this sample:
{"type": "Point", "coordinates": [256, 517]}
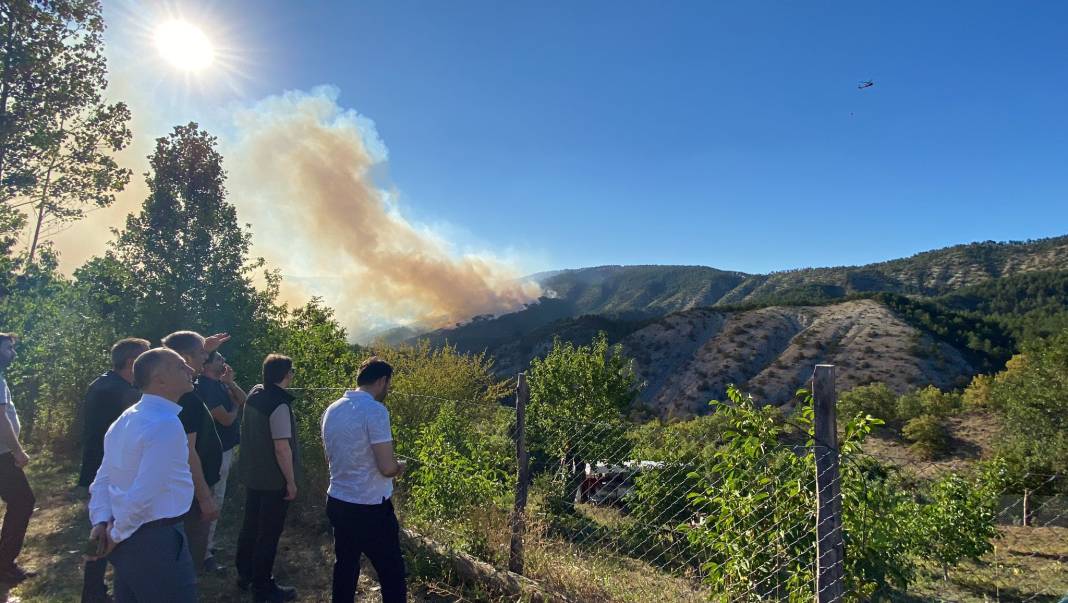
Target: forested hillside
{"type": "Point", "coordinates": [878, 322]}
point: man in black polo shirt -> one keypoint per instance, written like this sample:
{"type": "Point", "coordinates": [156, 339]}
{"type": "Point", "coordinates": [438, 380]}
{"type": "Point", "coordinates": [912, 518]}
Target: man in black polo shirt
{"type": "Point", "coordinates": [109, 395]}
{"type": "Point", "coordinates": [205, 448]}
{"type": "Point", "coordinates": [225, 399]}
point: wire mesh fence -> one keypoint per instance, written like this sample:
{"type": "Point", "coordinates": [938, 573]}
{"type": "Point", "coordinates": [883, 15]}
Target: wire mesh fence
{"type": "Point", "coordinates": [724, 509]}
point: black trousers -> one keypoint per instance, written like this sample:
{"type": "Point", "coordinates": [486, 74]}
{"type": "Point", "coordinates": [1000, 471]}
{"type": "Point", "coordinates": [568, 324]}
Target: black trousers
{"type": "Point", "coordinates": [94, 589]}
{"type": "Point", "coordinates": [257, 545]}
{"type": "Point", "coordinates": [370, 530]}
{"type": "Point", "coordinates": [15, 491]}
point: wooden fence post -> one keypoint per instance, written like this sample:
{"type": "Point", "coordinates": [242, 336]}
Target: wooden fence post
{"type": "Point", "coordinates": [830, 549]}
{"type": "Point", "coordinates": [515, 556]}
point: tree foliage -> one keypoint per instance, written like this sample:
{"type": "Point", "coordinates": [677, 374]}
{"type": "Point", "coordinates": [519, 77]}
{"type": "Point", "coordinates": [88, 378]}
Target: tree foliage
{"type": "Point", "coordinates": [755, 509]}
{"type": "Point", "coordinates": [958, 521]}
{"type": "Point", "coordinates": [928, 434]}
{"type": "Point", "coordinates": [185, 256]}
{"type": "Point", "coordinates": [875, 399]}
{"type": "Point", "coordinates": [57, 134]}
{"type": "Point", "coordinates": [458, 468]}
{"type": "Point", "coordinates": [574, 388]}
{"type": "Point", "coordinates": [1032, 394]}
{"type": "Point", "coordinates": [578, 397]}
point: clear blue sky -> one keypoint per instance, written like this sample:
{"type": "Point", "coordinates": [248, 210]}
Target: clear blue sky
{"type": "Point", "coordinates": [724, 134]}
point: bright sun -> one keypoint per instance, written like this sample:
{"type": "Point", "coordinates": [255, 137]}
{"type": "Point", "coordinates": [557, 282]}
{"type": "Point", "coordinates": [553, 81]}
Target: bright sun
{"type": "Point", "coordinates": [184, 46]}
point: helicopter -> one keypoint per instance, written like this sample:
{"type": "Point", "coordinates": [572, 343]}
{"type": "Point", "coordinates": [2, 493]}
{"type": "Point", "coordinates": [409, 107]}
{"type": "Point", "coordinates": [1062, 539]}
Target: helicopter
{"type": "Point", "coordinates": [867, 84]}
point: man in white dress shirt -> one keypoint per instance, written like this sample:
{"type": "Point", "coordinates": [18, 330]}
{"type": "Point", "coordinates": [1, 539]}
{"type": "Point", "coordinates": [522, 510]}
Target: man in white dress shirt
{"type": "Point", "coordinates": [144, 486]}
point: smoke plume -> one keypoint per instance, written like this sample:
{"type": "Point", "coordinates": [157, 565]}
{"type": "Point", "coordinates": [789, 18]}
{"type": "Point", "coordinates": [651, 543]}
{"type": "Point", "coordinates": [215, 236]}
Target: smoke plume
{"type": "Point", "coordinates": [300, 171]}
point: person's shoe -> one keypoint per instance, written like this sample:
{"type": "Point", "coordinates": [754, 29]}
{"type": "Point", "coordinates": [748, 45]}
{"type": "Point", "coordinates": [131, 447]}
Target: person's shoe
{"type": "Point", "coordinates": [212, 566]}
{"type": "Point", "coordinates": [15, 574]}
{"type": "Point", "coordinates": [275, 593]}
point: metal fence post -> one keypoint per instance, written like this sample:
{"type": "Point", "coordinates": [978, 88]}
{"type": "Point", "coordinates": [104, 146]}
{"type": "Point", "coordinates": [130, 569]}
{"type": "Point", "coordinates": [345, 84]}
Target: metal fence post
{"type": "Point", "coordinates": [515, 556]}
{"type": "Point", "coordinates": [830, 553]}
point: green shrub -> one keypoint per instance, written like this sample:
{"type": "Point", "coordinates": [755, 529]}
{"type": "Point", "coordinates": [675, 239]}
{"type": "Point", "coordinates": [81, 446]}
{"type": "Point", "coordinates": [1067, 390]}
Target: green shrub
{"type": "Point", "coordinates": [958, 522]}
{"type": "Point", "coordinates": [755, 505]}
{"type": "Point", "coordinates": [928, 434]}
{"type": "Point", "coordinates": [456, 471]}
{"type": "Point", "coordinates": [927, 401]}
{"type": "Point", "coordinates": [875, 399]}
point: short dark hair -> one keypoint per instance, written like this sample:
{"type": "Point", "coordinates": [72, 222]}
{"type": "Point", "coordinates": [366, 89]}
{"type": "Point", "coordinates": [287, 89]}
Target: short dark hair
{"type": "Point", "coordinates": [126, 350]}
{"type": "Point", "coordinates": [372, 370]}
{"type": "Point", "coordinates": [213, 356]}
{"type": "Point", "coordinates": [184, 342]}
{"type": "Point", "coordinates": [275, 368]}
{"type": "Point", "coordinates": [5, 337]}
{"type": "Point", "coordinates": [146, 364]}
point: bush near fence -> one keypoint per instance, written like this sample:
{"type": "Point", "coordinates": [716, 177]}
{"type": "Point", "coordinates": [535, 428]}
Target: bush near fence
{"type": "Point", "coordinates": [718, 508]}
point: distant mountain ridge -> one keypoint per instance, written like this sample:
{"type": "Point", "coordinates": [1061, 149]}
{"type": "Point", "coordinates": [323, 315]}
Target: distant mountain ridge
{"type": "Point", "coordinates": [693, 329]}
{"type": "Point", "coordinates": [928, 273]}
{"type": "Point", "coordinates": [641, 292]}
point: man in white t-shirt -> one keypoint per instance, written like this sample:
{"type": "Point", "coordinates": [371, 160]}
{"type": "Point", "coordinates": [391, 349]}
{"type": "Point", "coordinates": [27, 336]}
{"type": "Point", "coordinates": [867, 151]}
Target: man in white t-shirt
{"type": "Point", "coordinates": [359, 448]}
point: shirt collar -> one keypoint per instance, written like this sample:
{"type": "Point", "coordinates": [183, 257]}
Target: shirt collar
{"type": "Point", "coordinates": [353, 394]}
{"type": "Point", "coordinates": [154, 401]}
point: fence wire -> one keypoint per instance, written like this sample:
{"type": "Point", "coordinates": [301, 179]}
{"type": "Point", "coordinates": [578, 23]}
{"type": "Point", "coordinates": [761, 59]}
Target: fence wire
{"type": "Point", "coordinates": [613, 518]}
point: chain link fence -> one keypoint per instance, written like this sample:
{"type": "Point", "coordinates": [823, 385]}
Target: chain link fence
{"type": "Point", "coordinates": [720, 508]}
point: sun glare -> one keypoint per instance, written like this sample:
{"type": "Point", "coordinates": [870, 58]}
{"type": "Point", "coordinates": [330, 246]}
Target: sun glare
{"type": "Point", "coordinates": [184, 46]}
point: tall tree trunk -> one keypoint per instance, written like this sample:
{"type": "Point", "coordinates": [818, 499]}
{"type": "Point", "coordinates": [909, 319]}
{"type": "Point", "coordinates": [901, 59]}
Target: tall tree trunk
{"type": "Point", "coordinates": [36, 233]}
{"type": "Point", "coordinates": [5, 85]}
{"type": "Point", "coordinates": [42, 206]}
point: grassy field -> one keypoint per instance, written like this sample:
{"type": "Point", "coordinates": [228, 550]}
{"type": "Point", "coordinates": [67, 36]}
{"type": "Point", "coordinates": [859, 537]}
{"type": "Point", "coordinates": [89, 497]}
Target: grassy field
{"type": "Point", "coordinates": [1028, 564]}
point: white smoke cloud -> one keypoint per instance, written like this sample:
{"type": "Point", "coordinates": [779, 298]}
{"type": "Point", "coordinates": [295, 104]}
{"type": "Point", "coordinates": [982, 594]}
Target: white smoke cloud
{"type": "Point", "coordinates": [300, 172]}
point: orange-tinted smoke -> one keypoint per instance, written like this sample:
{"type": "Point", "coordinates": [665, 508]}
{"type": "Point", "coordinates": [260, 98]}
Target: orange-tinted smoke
{"type": "Point", "coordinates": [300, 172]}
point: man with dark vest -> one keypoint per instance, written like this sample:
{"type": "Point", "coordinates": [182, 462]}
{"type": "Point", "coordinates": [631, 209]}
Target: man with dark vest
{"type": "Point", "coordinates": [268, 464]}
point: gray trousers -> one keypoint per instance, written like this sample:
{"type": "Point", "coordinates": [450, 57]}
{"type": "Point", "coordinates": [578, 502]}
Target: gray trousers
{"type": "Point", "coordinates": [219, 492]}
{"type": "Point", "coordinates": [153, 565]}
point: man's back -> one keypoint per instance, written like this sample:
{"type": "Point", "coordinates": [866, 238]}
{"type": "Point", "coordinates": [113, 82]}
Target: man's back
{"type": "Point", "coordinates": [196, 418]}
{"type": "Point", "coordinates": [105, 400]}
{"type": "Point", "coordinates": [350, 427]}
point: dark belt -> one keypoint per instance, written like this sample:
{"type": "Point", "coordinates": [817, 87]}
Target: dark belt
{"type": "Point", "coordinates": [157, 523]}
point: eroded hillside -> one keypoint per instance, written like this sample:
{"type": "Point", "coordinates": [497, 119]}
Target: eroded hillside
{"type": "Point", "coordinates": [689, 358]}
